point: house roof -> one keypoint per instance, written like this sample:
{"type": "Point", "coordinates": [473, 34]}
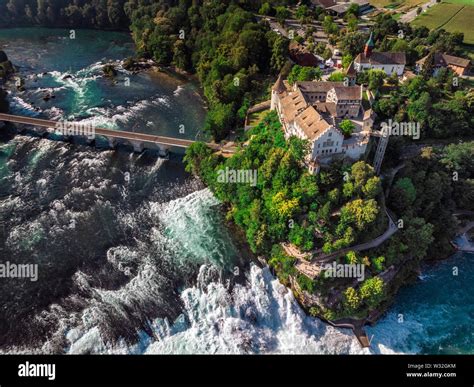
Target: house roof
{"type": "Point", "coordinates": [324, 3]}
{"type": "Point", "coordinates": [312, 123]}
{"type": "Point", "coordinates": [348, 92]}
{"type": "Point", "coordinates": [292, 104]}
{"type": "Point", "coordinates": [382, 58]}
{"type": "Point", "coordinates": [302, 56]}
{"type": "Point", "coordinates": [360, 3]}
{"type": "Point", "coordinates": [441, 59]}
{"type": "Point", "coordinates": [317, 87]}
{"type": "Point", "coordinates": [339, 8]}
{"type": "Point", "coordinates": [326, 108]}
{"type": "Point", "coordinates": [351, 69]}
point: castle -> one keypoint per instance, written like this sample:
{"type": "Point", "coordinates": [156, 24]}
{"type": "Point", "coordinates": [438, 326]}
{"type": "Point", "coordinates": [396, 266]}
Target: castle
{"type": "Point", "coordinates": [313, 111]}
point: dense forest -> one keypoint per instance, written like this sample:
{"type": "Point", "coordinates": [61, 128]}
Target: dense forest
{"type": "Point", "coordinates": [104, 14]}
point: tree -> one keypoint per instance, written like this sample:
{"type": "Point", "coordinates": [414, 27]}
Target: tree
{"type": "Point", "coordinates": [376, 79]}
{"type": "Point", "coordinates": [329, 26]}
{"type": "Point", "coordinates": [302, 12]}
{"type": "Point", "coordinates": [266, 9]}
{"type": "Point", "coordinates": [372, 188]}
{"type": "Point", "coordinates": [372, 291]}
{"type": "Point", "coordinates": [282, 13]}
{"type": "Point", "coordinates": [279, 53]}
{"type": "Point", "coordinates": [428, 66]}
{"type": "Point", "coordinates": [403, 194]}
{"type": "Point", "coordinates": [353, 10]}
{"type": "Point", "coordinates": [180, 58]}
{"type": "Point", "coordinates": [353, 43]}
{"type": "Point", "coordinates": [327, 53]}
{"type": "Point", "coordinates": [195, 154]}
{"type": "Point", "coordinates": [336, 76]}
{"type": "Point", "coordinates": [361, 172]}
{"type": "Point", "coordinates": [347, 60]}
{"type": "Point", "coordinates": [351, 300]}
{"type": "Point", "coordinates": [352, 258]}
{"type": "Point", "coordinates": [378, 263]}
{"type": "Point", "coordinates": [360, 212]}
{"type": "Point", "coordinates": [347, 127]}
{"type": "Point", "coordinates": [219, 120]}
{"type": "Point", "coordinates": [304, 73]}
{"type": "Point", "coordinates": [418, 236]}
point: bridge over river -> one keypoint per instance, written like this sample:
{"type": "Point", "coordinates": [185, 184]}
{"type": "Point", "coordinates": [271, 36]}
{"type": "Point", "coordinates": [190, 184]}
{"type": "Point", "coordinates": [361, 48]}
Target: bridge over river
{"type": "Point", "coordinates": [139, 141]}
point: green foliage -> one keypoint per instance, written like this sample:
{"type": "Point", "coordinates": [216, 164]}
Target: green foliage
{"type": "Point", "coordinates": [353, 43]}
{"type": "Point", "coordinates": [403, 194]}
{"type": "Point", "coordinates": [306, 283]}
{"type": "Point", "coordinates": [347, 60]}
{"type": "Point", "coordinates": [347, 127]}
{"type": "Point", "coordinates": [266, 9]}
{"type": "Point", "coordinates": [282, 263]}
{"type": "Point", "coordinates": [282, 13]}
{"type": "Point", "coordinates": [336, 76]}
{"type": "Point", "coordinates": [304, 73]}
{"type": "Point", "coordinates": [352, 300]}
{"type": "Point", "coordinates": [352, 258]}
{"type": "Point", "coordinates": [360, 213]}
{"type": "Point", "coordinates": [219, 120]}
{"type": "Point", "coordinates": [329, 26]}
{"type": "Point", "coordinates": [378, 263]}
{"type": "Point", "coordinates": [376, 79]}
{"type": "Point", "coordinates": [279, 53]}
{"type": "Point", "coordinates": [418, 236]}
{"type": "Point", "coordinates": [372, 291]}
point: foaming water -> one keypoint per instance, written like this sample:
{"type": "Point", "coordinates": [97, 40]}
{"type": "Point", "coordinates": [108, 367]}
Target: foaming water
{"type": "Point", "coordinates": [433, 316]}
{"type": "Point", "coordinates": [133, 253]}
{"type": "Point", "coordinates": [66, 81]}
{"type": "Point", "coordinates": [260, 316]}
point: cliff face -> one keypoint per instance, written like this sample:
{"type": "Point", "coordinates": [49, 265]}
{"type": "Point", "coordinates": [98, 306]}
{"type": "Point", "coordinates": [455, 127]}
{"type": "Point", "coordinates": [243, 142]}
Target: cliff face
{"type": "Point", "coordinates": [6, 67]}
{"type": "Point", "coordinates": [3, 102]}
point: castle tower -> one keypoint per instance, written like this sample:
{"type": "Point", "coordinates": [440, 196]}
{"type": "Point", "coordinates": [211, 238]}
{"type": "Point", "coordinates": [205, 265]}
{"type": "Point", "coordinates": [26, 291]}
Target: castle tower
{"type": "Point", "coordinates": [278, 87]}
{"type": "Point", "coordinates": [369, 45]}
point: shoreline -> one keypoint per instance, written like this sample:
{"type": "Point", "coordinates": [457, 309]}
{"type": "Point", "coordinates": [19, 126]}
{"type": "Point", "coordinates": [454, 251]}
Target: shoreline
{"type": "Point", "coordinates": [356, 325]}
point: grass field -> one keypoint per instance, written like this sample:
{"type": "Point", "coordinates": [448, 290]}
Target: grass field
{"type": "Point", "coordinates": [396, 3]}
{"type": "Point", "coordinates": [257, 117]}
{"type": "Point", "coordinates": [462, 2]}
{"type": "Point", "coordinates": [453, 16]}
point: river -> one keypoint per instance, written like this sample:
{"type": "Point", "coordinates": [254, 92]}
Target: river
{"type": "Point", "coordinates": [133, 252]}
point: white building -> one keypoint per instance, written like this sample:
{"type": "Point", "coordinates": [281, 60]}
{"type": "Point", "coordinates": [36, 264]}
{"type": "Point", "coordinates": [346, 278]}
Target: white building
{"type": "Point", "coordinates": [313, 110]}
{"type": "Point", "coordinates": [389, 62]}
